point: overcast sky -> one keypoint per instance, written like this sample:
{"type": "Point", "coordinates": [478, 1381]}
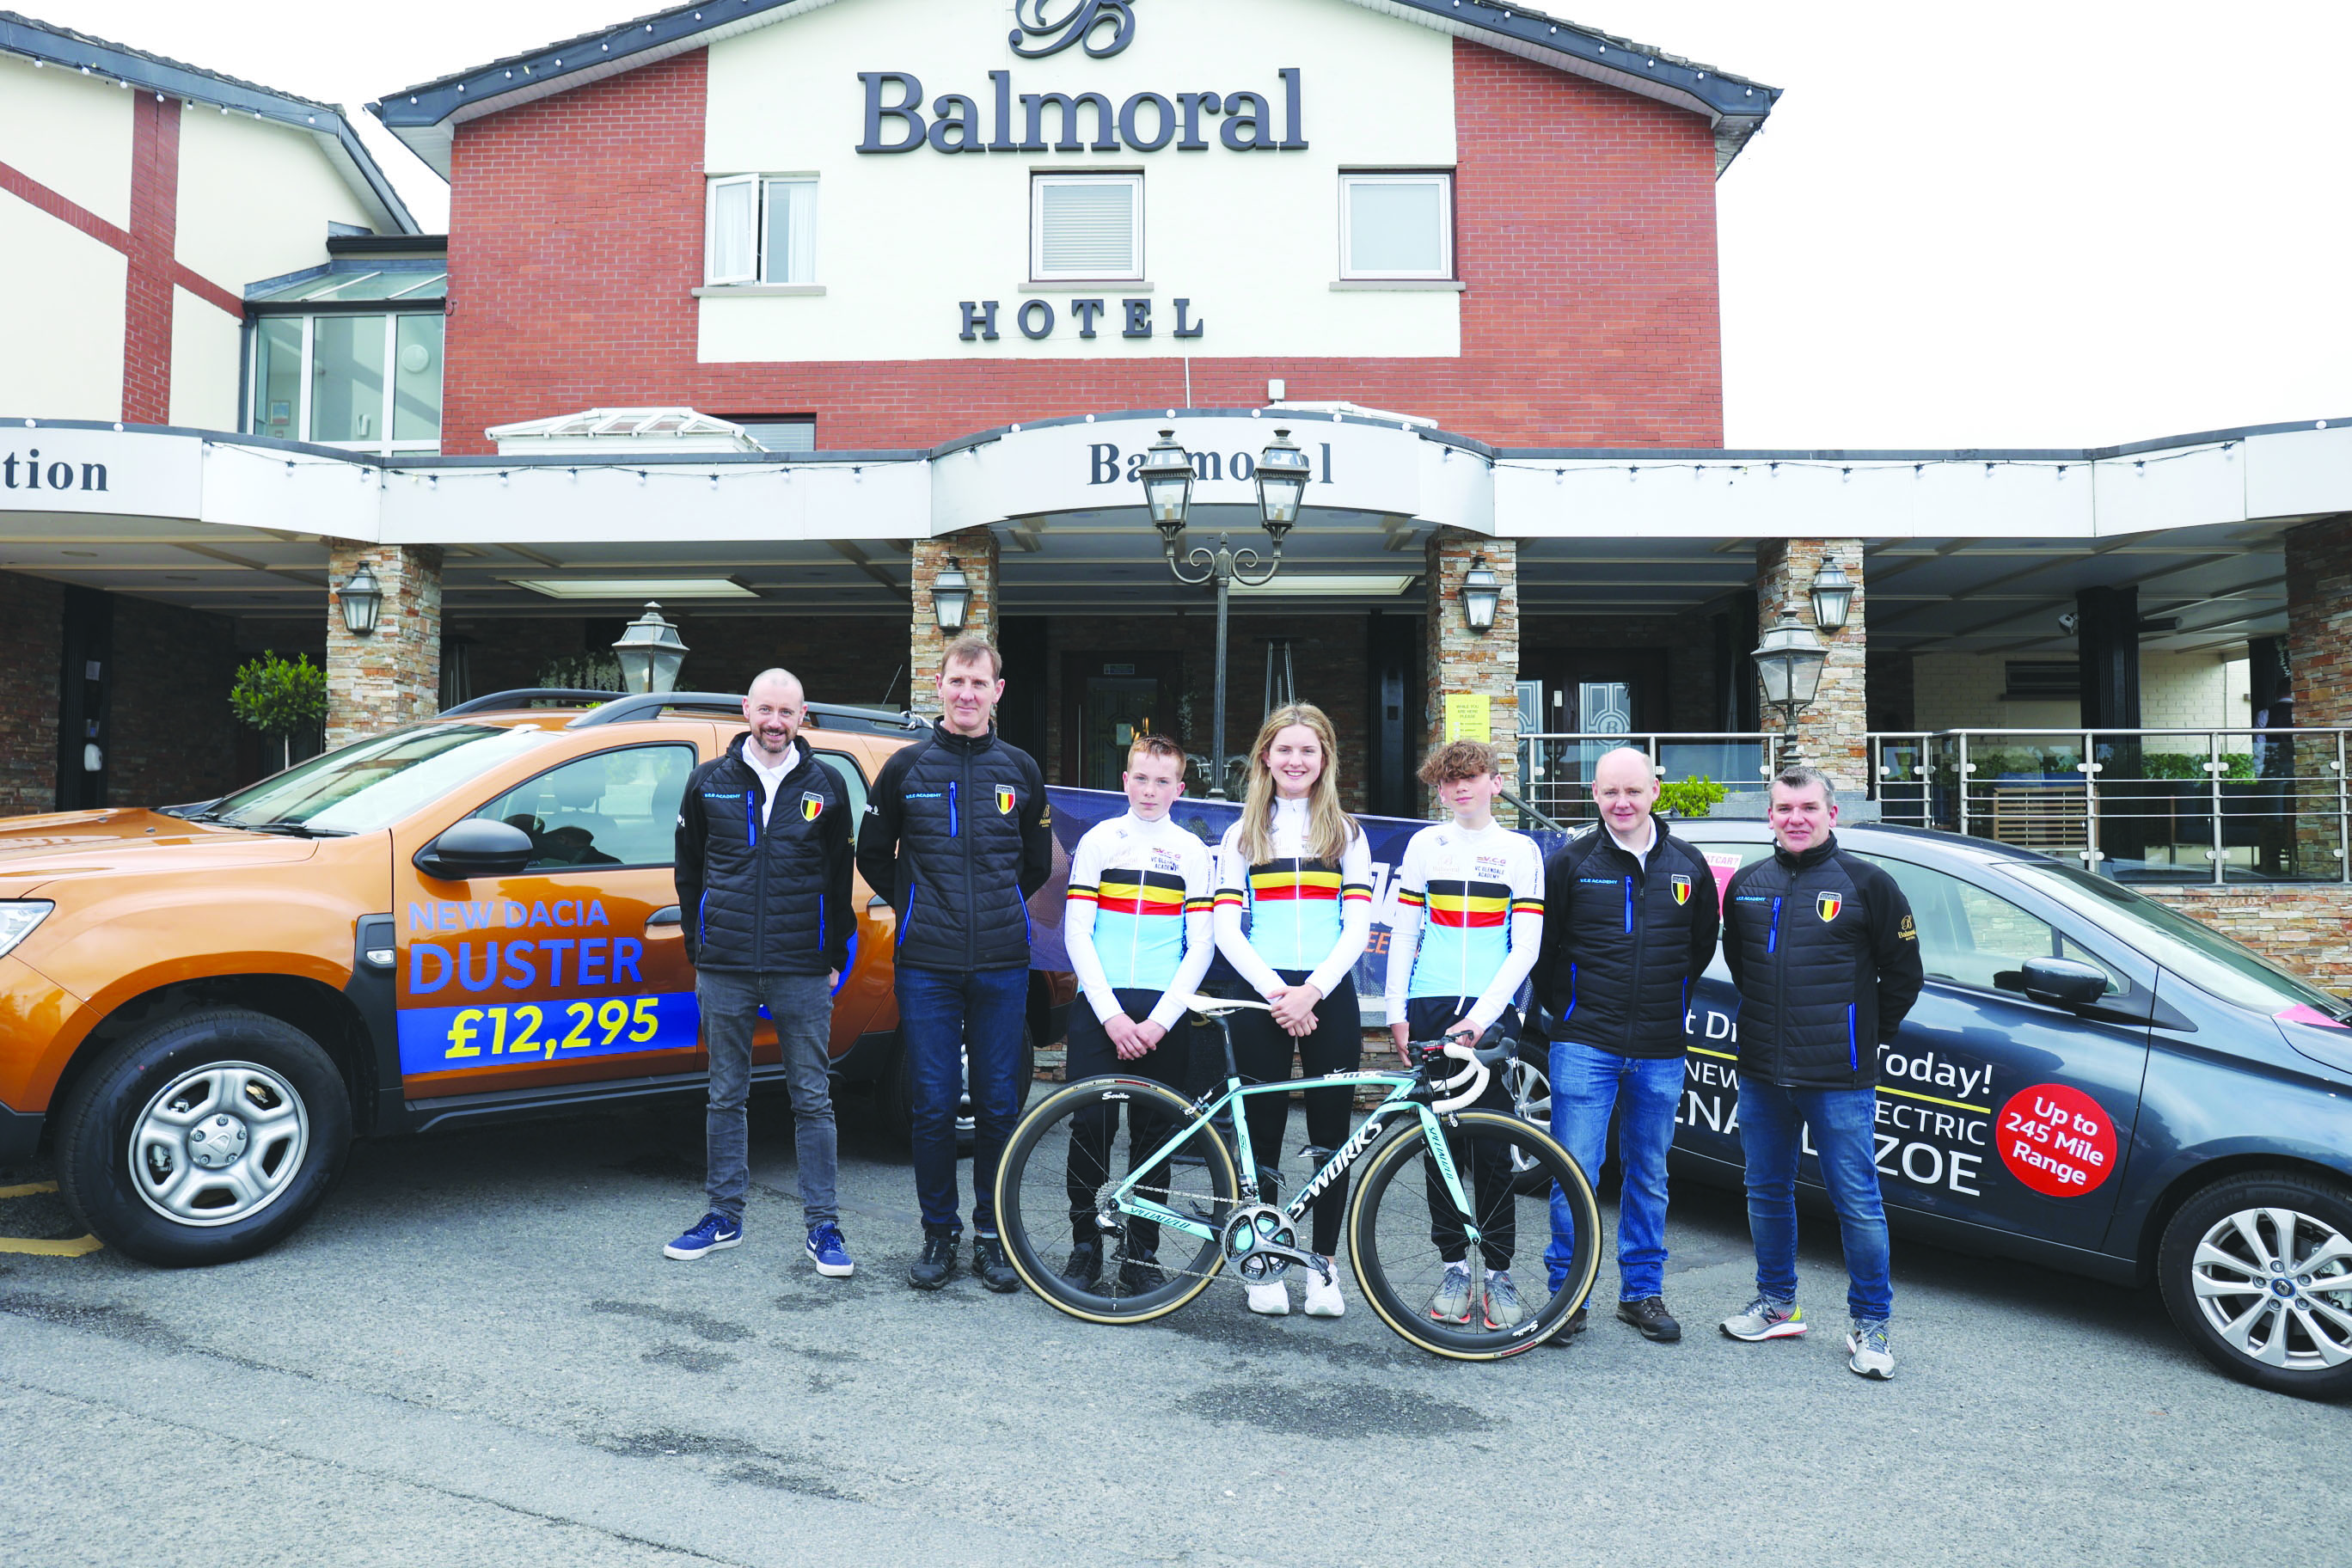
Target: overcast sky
{"type": "Point", "coordinates": [2050, 224]}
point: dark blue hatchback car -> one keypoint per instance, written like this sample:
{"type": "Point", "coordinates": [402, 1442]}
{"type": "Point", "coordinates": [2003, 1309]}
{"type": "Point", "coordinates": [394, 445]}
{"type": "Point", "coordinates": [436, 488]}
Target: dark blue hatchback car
{"type": "Point", "coordinates": [2094, 1081]}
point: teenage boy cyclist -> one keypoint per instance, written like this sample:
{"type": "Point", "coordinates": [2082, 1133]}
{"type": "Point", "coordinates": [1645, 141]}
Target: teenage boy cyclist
{"type": "Point", "coordinates": [1478, 887]}
{"type": "Point", "coordinates": [1139, 939]}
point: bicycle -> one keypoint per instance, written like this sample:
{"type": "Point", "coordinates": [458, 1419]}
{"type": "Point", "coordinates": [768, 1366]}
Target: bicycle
{"type": "Point", "coordinates": [1183, 1181]}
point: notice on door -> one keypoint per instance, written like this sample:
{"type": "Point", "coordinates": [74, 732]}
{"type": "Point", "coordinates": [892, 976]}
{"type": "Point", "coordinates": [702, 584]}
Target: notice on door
{"type": "Point", "coordinates": [1469, 716]}
{"type": "Point", "coordinates": [2056, 1140]}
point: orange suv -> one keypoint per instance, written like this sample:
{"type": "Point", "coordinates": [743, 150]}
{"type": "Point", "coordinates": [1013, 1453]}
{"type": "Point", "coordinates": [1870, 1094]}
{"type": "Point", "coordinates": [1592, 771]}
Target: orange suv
{"type": "Point", "coordinates": [464, 920]}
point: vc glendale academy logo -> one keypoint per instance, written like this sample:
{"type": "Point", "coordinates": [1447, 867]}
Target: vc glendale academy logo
{"type": "Point", "coordinates": [1082, 24]}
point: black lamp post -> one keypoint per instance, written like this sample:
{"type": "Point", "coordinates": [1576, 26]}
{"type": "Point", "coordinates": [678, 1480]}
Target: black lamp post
{"type": "Point", "coordinates": [950, 598]}
{"type": "Point", "coordinates": [361, 600]}
{"type": "Point", "coordinates": [650, 652]}
{"type": "Point", "coordinates": [1283, 471]}
{"type": "Point", "coordinates": [1482, 595]}
{"type": "Point", "coordinates": [1833, 595]}
{"type": "Point", "coordinates": [1789, 662]}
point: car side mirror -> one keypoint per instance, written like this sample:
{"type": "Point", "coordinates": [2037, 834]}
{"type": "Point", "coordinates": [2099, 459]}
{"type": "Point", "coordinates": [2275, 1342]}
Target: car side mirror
{"type": "Point", "coordinates": [477, 847]}
{"type": "Point", "coordinates": [2062, 981]}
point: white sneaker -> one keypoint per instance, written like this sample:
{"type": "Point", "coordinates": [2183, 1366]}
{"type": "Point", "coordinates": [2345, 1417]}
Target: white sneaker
{"type": "Point", "coordinates": [1271, 1299]}
{"type": "Point", "coordinates": [1323, 1294]}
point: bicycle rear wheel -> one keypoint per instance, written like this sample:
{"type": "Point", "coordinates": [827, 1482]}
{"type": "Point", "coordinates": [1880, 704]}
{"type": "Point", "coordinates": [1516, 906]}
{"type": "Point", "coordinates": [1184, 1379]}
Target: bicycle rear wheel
{"type": "Point", "coordinates": [1403, 1230]}
{"type": "Point", "coordinates": [1053, 1188]}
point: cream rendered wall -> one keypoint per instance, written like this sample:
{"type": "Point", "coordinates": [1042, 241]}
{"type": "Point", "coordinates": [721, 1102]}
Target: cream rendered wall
{"type": "Point", "coordinates": [255, 198]}
{"type": "Point", "coordinates": [63, 358]}
{"type": "Point", "coordinates": [2177, 691]}
{"type": "Point", "coordinates": [1250, 238]}
{"type": "Point", "coordinates": [69, 132]}
{"type": "Point", "coordinates": [206, 340]}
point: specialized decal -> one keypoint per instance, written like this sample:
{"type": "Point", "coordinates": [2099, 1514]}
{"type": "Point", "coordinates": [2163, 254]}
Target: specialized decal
{"type": "Point", "coordinates": [1827, 906]}
{"type": "Point", "coordinates": [2057, 1141]}
{"type": "Point", "coordinates": [502, 980]}
{"type": "Point", "coordinates": [1681, 887]}
{"type": "Point", "coordinates": [812, 805]}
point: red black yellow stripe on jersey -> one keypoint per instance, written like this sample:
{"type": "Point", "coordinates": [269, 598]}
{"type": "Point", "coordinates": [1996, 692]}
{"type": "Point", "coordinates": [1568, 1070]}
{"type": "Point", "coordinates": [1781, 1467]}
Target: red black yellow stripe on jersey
{"type": "Point", "coordinates": [1469, 903]}
{"type": "Point", "coordinates": [1292, 879]}
{"type": "Point", "coordinates": [1137, 893]}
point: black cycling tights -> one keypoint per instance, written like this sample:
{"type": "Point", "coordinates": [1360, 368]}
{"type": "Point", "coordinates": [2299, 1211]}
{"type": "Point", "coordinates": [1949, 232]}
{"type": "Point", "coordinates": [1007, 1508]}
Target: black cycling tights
{"type": "Point", "coordinates": [1262, 1050]}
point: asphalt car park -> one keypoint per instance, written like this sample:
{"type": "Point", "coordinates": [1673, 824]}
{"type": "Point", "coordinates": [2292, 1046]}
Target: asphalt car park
{"type": "Point", "coordinates": [475, 1353]}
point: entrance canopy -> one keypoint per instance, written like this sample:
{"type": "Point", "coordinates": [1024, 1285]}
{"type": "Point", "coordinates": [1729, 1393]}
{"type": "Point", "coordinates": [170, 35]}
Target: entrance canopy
{"type": "Point", "coordinates": [1966, 549]}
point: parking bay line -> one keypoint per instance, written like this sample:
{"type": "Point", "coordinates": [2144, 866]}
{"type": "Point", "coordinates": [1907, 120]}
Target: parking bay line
{"type": "Point", "coordinates": [79, 1247]}
{"type": "Point", "coordinates": [1905, 1093]}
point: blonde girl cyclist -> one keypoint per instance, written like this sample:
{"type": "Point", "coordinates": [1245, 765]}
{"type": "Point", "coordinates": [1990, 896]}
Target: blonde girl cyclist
{"type": "Point", "coordinates": [1299, 866]}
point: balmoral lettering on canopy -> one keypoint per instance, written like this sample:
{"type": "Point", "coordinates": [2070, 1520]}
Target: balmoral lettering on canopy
{"type": "Point", "coordinates": [1145, 123]}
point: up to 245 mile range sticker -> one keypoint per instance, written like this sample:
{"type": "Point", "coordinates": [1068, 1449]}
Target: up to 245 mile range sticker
{"type": "Point", "coordinates": [2056, 1140]}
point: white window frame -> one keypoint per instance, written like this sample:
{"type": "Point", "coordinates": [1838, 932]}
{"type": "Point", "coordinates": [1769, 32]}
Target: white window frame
{"type": "Point", "coordinates": [382, 443]}
{"type": "Point", "coordinates": [1441, 178]}
{"type": "Point", "coordinates": [764, 270]}
{"type": "Point", "coordinates": [1037, 269]}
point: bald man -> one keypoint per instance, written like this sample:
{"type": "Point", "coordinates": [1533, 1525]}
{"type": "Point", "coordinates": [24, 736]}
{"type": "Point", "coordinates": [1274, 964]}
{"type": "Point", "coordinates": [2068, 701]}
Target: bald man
{"type": "Point", "coordinates": [764, 864]}
{"type": "Point", "coordinates": [1630, 924]}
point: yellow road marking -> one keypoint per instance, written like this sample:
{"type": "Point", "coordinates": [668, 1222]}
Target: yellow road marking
{"type": "Point", "coordinates": [1905, 1093]}
{"type": "Point", "coordinates": [27, 1190]}
{"type": "Point", "coordinates": [74, 1249]}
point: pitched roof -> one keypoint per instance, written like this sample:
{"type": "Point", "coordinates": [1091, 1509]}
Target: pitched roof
{"type": "Point", "coordinates": [425, 116]}
{"type": "Point", "coordinates": [51, 45]}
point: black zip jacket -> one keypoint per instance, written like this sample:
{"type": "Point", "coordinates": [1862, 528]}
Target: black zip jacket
{"type": "Point", "coordinates": [956, 826]}
{"type": "Point", "coordinates": [1826, 958]}
{"type": "Point", "coordinates": [1623, 942]}
{"type": "Point", "coordinates": [771, 897]}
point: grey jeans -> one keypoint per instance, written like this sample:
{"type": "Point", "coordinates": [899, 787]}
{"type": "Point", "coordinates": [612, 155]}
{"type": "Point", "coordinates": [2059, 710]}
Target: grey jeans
{"type": "Point", "coordinates": [802, 1008]}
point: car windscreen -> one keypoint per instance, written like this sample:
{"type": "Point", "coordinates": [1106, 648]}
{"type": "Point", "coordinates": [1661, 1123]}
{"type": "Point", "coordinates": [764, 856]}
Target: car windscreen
{"type": "Point", "coordinates": [373, 784]}
{"type": "Point", "coordinates": [2195, 952]}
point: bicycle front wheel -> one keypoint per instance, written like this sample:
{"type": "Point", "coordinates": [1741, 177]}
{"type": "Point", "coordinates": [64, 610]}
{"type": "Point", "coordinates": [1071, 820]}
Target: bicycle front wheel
{"type": "Point", "coordinates": [1405, 1235]}
{"type": "Point", "coordinates": [1053, 1188]}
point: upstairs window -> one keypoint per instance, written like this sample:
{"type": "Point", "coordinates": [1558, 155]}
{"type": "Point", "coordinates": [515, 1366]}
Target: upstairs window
{"type": "Point", "coordinates": [761, 229]}
{"type": "Point", "coordinates": [1085, 228]}
{"type": "Point", "coordinates": [1397, 226]}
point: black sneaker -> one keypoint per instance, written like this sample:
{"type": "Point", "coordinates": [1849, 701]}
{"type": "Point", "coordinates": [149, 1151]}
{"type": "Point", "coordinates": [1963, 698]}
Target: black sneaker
{"type": "Point", "coordinates": [931, 1270]}
{"type": "Point", "coordinates": [1083, 1269]}
{"type": "Point", "coordinates": [988, 1262]}
{"type": "Point", "coordinates": [1577, 1321]}
{"type": "Point", "coordinates": [1139, 1276]}
{"type": "Point", "coordinates": [1650, 1315]}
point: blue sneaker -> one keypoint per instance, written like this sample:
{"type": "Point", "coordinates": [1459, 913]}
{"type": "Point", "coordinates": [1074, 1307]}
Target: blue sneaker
{"type": "Point", "coordinates": [714, 1233]}
{"type": "Point", "coordinates": [829, 1251]}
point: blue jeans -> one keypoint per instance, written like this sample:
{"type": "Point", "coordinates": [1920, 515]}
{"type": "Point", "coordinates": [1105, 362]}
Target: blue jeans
{"type": "Point", "coordinates": [1586, 1085]}
{"type": "Point", "coordinates": [1844, 1123]}
{"type": "Point", "coordinates": [945, 1016]}
{"type": "Point", "coordinates": [802, 1008]}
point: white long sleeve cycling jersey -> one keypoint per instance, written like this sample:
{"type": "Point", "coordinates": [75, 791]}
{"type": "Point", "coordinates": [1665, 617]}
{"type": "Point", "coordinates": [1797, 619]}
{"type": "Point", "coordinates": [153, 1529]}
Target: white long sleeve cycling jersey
{"type": "Point", "coordinates": [1469, 918]}
{"type": "Point", "coordinates": [1303, 913]}
{"type": "Point", "coordinates": [1137, 916]}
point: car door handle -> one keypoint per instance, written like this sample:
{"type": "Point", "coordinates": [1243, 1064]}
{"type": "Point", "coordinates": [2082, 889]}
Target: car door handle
{"type": "Point", "coordinates": [668, 916]}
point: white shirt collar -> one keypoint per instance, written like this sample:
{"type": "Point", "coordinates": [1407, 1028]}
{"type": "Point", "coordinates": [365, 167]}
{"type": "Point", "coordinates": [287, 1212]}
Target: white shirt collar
{"type": "Point", "coordinates": [771, 777]}
{"type": "Point", "coordinates": [1647, 850]}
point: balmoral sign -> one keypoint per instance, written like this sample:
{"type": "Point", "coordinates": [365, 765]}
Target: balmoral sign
{"type": "Point", "coordinates": [1145, 123]}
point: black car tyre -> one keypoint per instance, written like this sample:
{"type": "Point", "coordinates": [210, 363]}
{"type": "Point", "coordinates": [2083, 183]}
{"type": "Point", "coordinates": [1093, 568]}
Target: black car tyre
{"type": "Point", "coordinates": [203, 1138]}
{"type": "Point", "coordinates": [2256, 1271]}
{"type": "Point", "coordinates": [895, 1097]}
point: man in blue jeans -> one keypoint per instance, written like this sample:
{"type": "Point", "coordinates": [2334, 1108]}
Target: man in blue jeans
{"type": "Point", "coordinates": [1823, 950]}
{"type": "Point", "coordinates": [1630, 925]}
{"type": "Point", "coordinates": [956, 826]}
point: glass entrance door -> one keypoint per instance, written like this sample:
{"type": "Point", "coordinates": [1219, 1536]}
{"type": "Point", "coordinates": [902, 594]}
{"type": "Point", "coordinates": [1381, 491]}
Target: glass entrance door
{"type": "Point", "coordinates": [1108, 700]}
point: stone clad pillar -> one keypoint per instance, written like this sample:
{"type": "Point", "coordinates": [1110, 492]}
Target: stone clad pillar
{"type": "Point", "coordinates": [1462, 662]}
{"type": "Point", "coordinates": [2319, 621]}
{"type": "Point", "coordinates": [393, 676]}
{"type": "Point", "coordinates": [974, 551]}
{"type": "Point", "coordinates": [1830, 732]}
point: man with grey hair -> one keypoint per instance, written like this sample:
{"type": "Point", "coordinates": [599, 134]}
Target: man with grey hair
{"type": "Point", "coordinates": [764, 864]}
{"type": "Point", "coordinates": [1823, 949]}
{"type": "Point", "coordinates": [1629, 925]}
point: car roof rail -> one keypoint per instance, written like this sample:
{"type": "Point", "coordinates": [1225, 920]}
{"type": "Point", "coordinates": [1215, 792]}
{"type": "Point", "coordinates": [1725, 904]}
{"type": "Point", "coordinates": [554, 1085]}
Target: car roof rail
{"type": "Point", "coordinates": [846, 717]}
{"type": "Point", "coordinates": [523, 697]}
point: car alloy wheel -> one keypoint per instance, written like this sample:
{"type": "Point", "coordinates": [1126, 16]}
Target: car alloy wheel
{"type": "Point", "coordinates": [2275, 1284]}
{"type": "Point", "coordinates": [218, 1144]}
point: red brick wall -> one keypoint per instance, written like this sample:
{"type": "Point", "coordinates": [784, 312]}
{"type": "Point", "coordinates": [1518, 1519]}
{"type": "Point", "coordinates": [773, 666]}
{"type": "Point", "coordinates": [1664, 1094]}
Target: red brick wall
{"type": "Point", "coordinates": [154, 230]}
{"type": "Point", "coordinates": [32, 629]}
{"type": "Point", "coordinates": [1586, 233]}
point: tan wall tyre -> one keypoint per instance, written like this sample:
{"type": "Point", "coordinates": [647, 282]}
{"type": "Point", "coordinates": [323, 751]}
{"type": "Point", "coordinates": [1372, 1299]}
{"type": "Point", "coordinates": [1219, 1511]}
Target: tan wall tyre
{"type": "Point", "coordinates": [203, 1138]}
{"type": "Point", "coordinates": [1397, 1240]}
{"type": "Point", "coordinates": [2256, 1271]}
{"type": "Point", "coordinates": [1039, 1186]}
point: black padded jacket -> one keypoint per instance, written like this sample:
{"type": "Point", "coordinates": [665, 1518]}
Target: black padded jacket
{"type": "Point", "coordinates": [1623, 942]}
{"type": "Point", "coordinates": [774, 897]}
{"type": "Point", "coordinates": [956, 828]}
{"type": "Point", "coordinates": [1823, 951]}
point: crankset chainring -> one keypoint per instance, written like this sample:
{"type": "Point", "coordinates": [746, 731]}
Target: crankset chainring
{"type": "Point", "coordinates": [1252, 1226]}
